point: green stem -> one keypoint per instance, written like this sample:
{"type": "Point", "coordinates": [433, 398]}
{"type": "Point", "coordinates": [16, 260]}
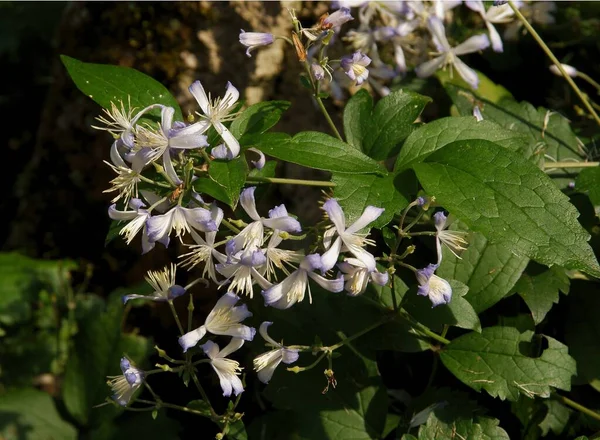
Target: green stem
{"type": "Point", "coordinates": [589, 79]}
{"type": "Point", "coordinates": [203, 393]}
{"type": "Point", "coordinates": [256, 179]}
{"type": "Point", "coordinates": [154, 182]}
{"type": "Point", "coordinates": [190, 308]}
{"type": "Point", "coordinates": [577, 406]}
{"type": "Point", "coordinates": [328, 118]}
{"type": "Point", "coordinates": [179, 326]}
{"type": "Point", "coordinates": [548, 165]}
{"type": "Point", "coordinates": [394, 299]}
{"type": "Point", "coordinates": [356, 335]}
{"type": "Point", "coordinates": [416, 234]}
{"type": "Point", "coordinates": [297, 369]}
{"type": "Point", "coordinates": [185, 409]}
{"type": "Point", "coordinates": [230, 226]}
{"type": "Point", "coordinates": [423, 329]}
{"type": "Point", "coordinates": [557, 63]}
{"type": "Point", "coordinates": [408, 266]}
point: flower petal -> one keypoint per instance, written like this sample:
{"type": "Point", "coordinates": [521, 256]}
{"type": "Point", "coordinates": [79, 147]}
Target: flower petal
{"type": "Point", "coordinates": [231, 95]}
{"type": "Point", "coordinates": [248, 203]}
{"type": "Point", "coordinates": [428, 68]}
{"type": "Point", "coordinates": [438, 33]}
{"type": "Point", "coordinates": [369, 215]}
{"type": "Point", "coordinates": [190, 339]}
{"type": "Point", "coordinates": [263, 332]}
{"type": "Point", "coordinates": [159, 226]}
{"type": "Point", "coordinates": [230, 140]}
{"type": "Point", "coordinates": [466, 73]}
{"type": "Point", "coordinates": [336, 214]}
{"type": "Point", "coordinates": [198, 92]}
{"type": "Point", "coordinates": [472, 44]}
{"type": "Point", "coordinates": [234, 345]}
{"type": "Point", "coordinates": [330, 257]}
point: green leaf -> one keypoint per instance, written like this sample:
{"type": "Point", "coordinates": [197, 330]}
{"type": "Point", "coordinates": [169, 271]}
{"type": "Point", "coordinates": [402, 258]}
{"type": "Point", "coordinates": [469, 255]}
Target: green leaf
{"type": "Point", "coordinates": [458, 312]}
{"type": "Point", "coordinates": [200, 405]}
{"type": "Point", "coordinates": [510, 201]}
{"type": "Point", "coordinates": [540, 291]}
{"type": "Point", "coordinates": [107, 84]}
{"type": "Point", "coordinates": [355, 192]}
{"type": "Point", "coordinates": [588, 181]}
{"type": "Point", "coordinates": [237, 431]}
{"type": "Point", "coordinates": [489, 270]}
{"type": "Point", "coordinates": [493, 360]}
{"type": "Point", "coordinates": [258, 118]}
{"type": "Point", "coordinates": [29, 414]}
{"type": "Point", "coordinates": [225, 180]}
{"type": "Point", "coordinates": [583, 333]}
{"type": "Point", "coordinates": [267, 171]}
{"type": "Point", "coordinates": [486, 89]}
{"type": "Point", "coordinates": [357, 118]}
{"type": "Point", "coordinates": [437, 134]}
{"type": "Point", "coordinates": [137, 426]}
{"type": "Point", "coordinates": [318, 150]}
{"type": "Point", "coordinates": [556, 419]}
{"type": "Point", "coordinates": [393, 119]}
{"type": "Point", "coordinates": [97, 350]}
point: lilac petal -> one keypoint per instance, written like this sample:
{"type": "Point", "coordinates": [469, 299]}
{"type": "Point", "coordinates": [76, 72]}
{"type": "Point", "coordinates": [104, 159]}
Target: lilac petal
{"type": "Point", "coordinates": [147, 246]}
{"type": "Point", "coordinates": [330, 257]}
{"type": "Point", "coordinates": [440, 220]}
{"type": "Point", "coordinates": [234, 345]}
{"type": "Point", "coordinates": [175, 291]}
{"type": "Point", "coordinates": [248, 203]}
{"type": "Point", "coordinates": [428, 68]}
{"type": "Point", "coordinates": [423, 275]}
{"type": "Point", "coordinates": [141, 159]}
{"type": "Point", "coordinates": [287, 224]}
{"type": "Point", "coordinates": [226, 301]}
{"type": "Point", "coordinates": [440, 291]}
{"type": "Point", "coordinates": [153, 198]}
{"type": "Point", "coordinates": [190, 339]}
{"type": "Point", "coordinates": [231, 95]}
{"type": "Point", "coordinates": [166, 119]}
{"type": "Point", "coordinates": [335, 214]}
{"type": "Point", "coordinates": [438, 33]}
{"type": "Point", "coordinates": [278, 211]}
{"type": "Point", "coordinates": [311, 262]}
{"type": "Point", "coordinates": [230, 140]}
{"type": "Point", "coordinates": [289, 355]}
{"type": "Point", "coordinates": [221, 152]}
{"type": "Point", "coordinates": [210, 349]}
{"type": "Point", "coordinates": [198, 92]}
{"type": "Point", "coordinates": [115, 156]}
{"type": "Point", "coordinates": [472, 44]}
{"type": "Point", "coordinates": [263, 332]}
{"type": "Point", "coordinates": [369, 215]}
{"type": "Point", "coordinates": [115, 214]}
{"type": "Point", "coordinates": [334, 285]}
{"type": "Point", "coordinates": [200, 219]}
{"type": "Point", "coordinates": [363, 255]}
{"type": "Point", "coordinates": [159, 226]}
{"type": "Point", "coordinates": [466, 73]}
{"type": "Point", "coordinates": [131, 296]}
{"type": "Point", "coordinates": [380, 278]}
{"type": "Point", "coordinates": [170, 169]}
{"type": "Point", "coordinates": [260, 163]}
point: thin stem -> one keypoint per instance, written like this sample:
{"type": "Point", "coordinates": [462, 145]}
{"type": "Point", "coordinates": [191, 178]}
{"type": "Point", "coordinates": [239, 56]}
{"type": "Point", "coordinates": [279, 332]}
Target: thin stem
{"type": "Point", "coordinates": [408, 266]}
{"type": "Point", "coordinates": [203, 393]}
{"type": "Point", "coordinates": [256, 179]}
{"type": "Point", "coordinates": [154, 182]}
{"type": "Point", "coordinates": [179, 326]}
{"type": "Point", "coordinates": [589, 79]}
{"type": "Point", "coordinates": [185, 409]}
{"type": "Point", "coordinates": [415, 234]}
{"type": "Point", "coordinates": [190, 308]}
{"type": "Point", "coordinates": [394, 299]}
{"type": "Point", "coordinates": [314, 364]}
{"type": "Point", "coordinates": [356, 335]}
{"type": "Point", "coordinates": [423, 329]}
{"type": "Point", "coordinates": [230, 226]}
{"type": "Point", "coordinates": [328, 118]}
{"type": "Point", "coordinates": [548, 165]}
{"type": "Point", "coordinates": [557, 63]}
{"type": "Point", "coordinates": [577, 406]}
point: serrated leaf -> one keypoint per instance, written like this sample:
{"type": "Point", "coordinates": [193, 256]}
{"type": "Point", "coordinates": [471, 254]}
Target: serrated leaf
{"type": "Point", "coordinates": [105, 84]}
{"type": "Point", "coordinates": [258, 118]}
{"type": "Point", "coordinates": [225, 180]}
{"type": "Point", "coordinates": [458, 312]}
{"type": "Point", "coordinates": [493, 360]}
{"type": "Point", "coordinates": [392, 120]}
{"type": "Point", "coordinates": [540, 291]}
{"type": "Point", "coordinates": [30, 414]}
{"type": "Point", "coordinates": [357, 118]}
{"type": "Point", "coordinates": [583, 333]}
{"type": "Point", "coordinates": [439, 133]}
{"type": "Point", "coordinates": [200, 405]}
{"type": "Point", "coordinates": [318, 150]}
{"type": "Point", "coordinates": [490, 270]}
{"type": "Point", "coordinates": [355, 192]}
{"type": "Point", "coordinates": [588, 180]}
{"type": "Point", "coordinates": [510, 201]}
{"type": "Point", "coordinates": [556, 419]}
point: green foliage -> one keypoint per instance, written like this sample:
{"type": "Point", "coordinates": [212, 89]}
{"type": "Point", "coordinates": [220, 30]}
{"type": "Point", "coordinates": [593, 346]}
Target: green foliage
{"type": "Point", "coordinates": [318, 150]}
{"type": "Point", "coordinates": [499, 361]}
{"type": "Point", "coordinates": [540, 291]}
{"type": "Point", "coordinates": [257, 119]}
{"type": "Point", "coordinates": [588, 180]}
{"type": "Point", "coordinates": [490, 270]}
{"type": "Point", "coordinates": [378, 131]}
{"type": "Point", "coordinates": [107, 84]}
{"type": "Point", "coordinates": [29, 414]}
{"type": "Point", "coordinates": [509, 200]}
{"type": "Point", "coordinates": [225, 180]}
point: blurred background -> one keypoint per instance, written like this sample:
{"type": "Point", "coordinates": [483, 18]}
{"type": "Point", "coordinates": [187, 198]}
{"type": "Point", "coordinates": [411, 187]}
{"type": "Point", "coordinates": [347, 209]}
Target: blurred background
{"type": "Point", "coordinates": [57, 277]}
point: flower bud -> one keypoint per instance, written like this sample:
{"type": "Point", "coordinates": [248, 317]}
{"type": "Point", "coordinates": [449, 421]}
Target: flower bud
{"type": "Point", "coordinates": [318, 72]}
{"type": "Point", "coordinates": [570, 70]}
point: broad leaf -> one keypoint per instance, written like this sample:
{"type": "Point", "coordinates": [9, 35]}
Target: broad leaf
{"type": "Point", "coordinates": [138, 425]}
{"type": "Point", "coordinates": [355, 192]}
{"type": "Point", "coordinates": [30, 414]}
{"type": "Point", "coordinates": [107, 84]}
{"type": "Point", "coordinates": [391, 121]}
{"type": "Point", "coordinates": [258, 118]}
{"type": "Point", "coordinates": [540, 291]}
{"type": "Point", "coordinates": [489, 270]}
{"type": "Point", "coordinates": [318, 150]}
{"type": "Point", "coordinates": [437, 134]}
{"type": "Point", "coordinates": [510, 201]}
{"type": "Point", "coordinates": [588, 181]}
{"type": "Point", "coordinates": [556, 419]}
{"type": "Point", "coordinates": [357, 118]}
{"type": "Point", "coordinates": [225, 180]}
{"type": "Point", "coordinates": [583, 333]}
{"type": "Point", "coordinates": [494, 360]}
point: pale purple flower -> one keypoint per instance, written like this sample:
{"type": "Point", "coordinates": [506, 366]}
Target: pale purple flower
{"type": "Point", "coordinates": [253, 40]}
{"type": "Point", "coordinates": [477, 113]}
{"type": "Point", "coordinates": [228, 370]}
{"type": "Point", "coordinates": [454, 240]}
{"type": "Point", "coordinates": [181, 220]}
{"type": "Point", "coordinates": [496, 14]}
{"type": "Point", "coordinates": [317, 71]}
{"type": "Point", "coordinates": [355, 67]}
{"type": "Point", "coordinates": [338, 18]}
{"type": "Point", "coordinates": [137, 221]}
{"type": "Point", "coordinates": [262, 160]}
{"type": "Point", "coordinates": [266, 363]}
{"type": "Point", "coordinates": [224, 319]}
{"type": "Point", "coordinates": [357, 276]}
{"type": "Point", "coordinates": [449, 55]}
{"type": "Point", "coordinates": [570, 70]}
{"type": "Point", "coordinates": [437, 289]}
{"type": "Point", "coordinates": [125, 385]}
{"type": "Point", "coordinates": [242, 271]}
{"type": "Point", "coordinates": [163, 283]}
{"type": "Point", "coordinates": [216, 111]}
{"type": "Point", "coordinates": [348, 239]}
{"type": "Point", "coordinates": [293, 288]}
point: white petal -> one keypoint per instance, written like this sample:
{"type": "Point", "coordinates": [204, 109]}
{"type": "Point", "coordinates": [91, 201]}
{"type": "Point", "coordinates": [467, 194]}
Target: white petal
{"type": "Point", "coordinates": [336, 214]}
{"type": "Point", "coordinates": [329, 258]}
{"type": "Point", "coordinates": [369, 215]}
{"type": "Point", "coordinates": [495, 38]}
{"type": "Point", "coordinates": [190, 339]}
{"type": "Point", "coordinates": [287, 224]}
{"type": "Point", "coordinates": [335, 285]}
{"type": "Point", "coordinates": [440, 291]}
{"type": "Point", "coordinates": [210, 349]}
{"type": "Point", "coordinates": [266, 373]}
{"type": "Point", "coordinates": [364, 256]}
{"type": "Point", "coordinates": [196, 128]}
{"type": "Point", "coordinates": [248, 203]}
{"type": "Point", "coordinates": [475, 5]}
{"type": "Point", "coordinates": [436, 28]}
{"type": "Point", "coordinates": [199, 218]}
{"type": "Point", "coordinates": [170, 169]}
{"type": "Point", "coordinates": [115, 156]}
{"type": "Point", "coordinates": [263, 332]}
{"type": "Point", "coordinates": [191, 141]}
{"type": "Point", "coordinates": [231, 142]}
{"type": "Point", "coordinates": [472, 44]}
{"type": "Point", "coordinates": [234, 345]}
{"type": "Point", "coordinates": [198, 92]}
{"type": "Point", "coordinates": [159, 226]}
{"type": "Point", "coordinates": [260, 163]}
{"type": "Point", "coordinates": [115, 214]}
{"type": "Point", "coordinates": [466, 73]}
{"type": "Point", "coordinates": [380, 278]}
{"type": "Point", "coordinates": [428, 68]}
{"type": "Point", "coordinates": [166, 119]}
{"type": "Point", "coordinates": [231, 95]}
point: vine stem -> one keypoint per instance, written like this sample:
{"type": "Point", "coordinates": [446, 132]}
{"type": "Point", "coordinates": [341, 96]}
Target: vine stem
{"type": "Point", "coordinates": [557, 63]}
{"type": "Point", "coordinates": [356, 335]}
{"type": "Point", "coordinates": [577, 406]}
{"type": "Point", "coordinates": [423, 329]}
{"type": "Point", "coordinates": [548, 165]}
{"type": "Point", "coordinates": [258, 179]}
{"type": "Point", "coordinates": [179, 326]}
{"type": "Point", "coordinates": [328, 118]}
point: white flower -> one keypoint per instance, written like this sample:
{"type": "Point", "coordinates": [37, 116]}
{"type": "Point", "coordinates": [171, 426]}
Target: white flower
{"type": "Point", "coordinates": [437, 289]}
{"type": "Point", "coordinates": [228, 370]}
{"type": "Point", "coordinates": [495, 14]}
{"type": "Point", "coordinates": [181, 220]}
{"type": "Point", "coordinates": [292, 289]}
{"type": "Point", "coordinates": [570, 70]}
{"type": "Point", "coordinates": [224, 319]}
{"type": "Point", "coordinates": [266, 363]}
{"type": "Point", "coordinates": [449, 55]}
{"type": "Point", "coordinates": [163, 283]}
{"type": "Point", "coordinates": [137, 220]}
{"type": "Point", "coordinates": [355, 67]}
{"type": "Point", "coordinates": [125, 385]}
{"type": "Point", "coordinates": [252, 40]}
{"type": "Point", "coordinates": [357, 276]}
{"type": "Point", "coordinates": [216, 112]}
{"type": "Point", "coordinates": [241, 270]}
{"type": "Point", "coordinates": [454, 240]}
{"type": "Point", "coordinates": [348, 238]}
